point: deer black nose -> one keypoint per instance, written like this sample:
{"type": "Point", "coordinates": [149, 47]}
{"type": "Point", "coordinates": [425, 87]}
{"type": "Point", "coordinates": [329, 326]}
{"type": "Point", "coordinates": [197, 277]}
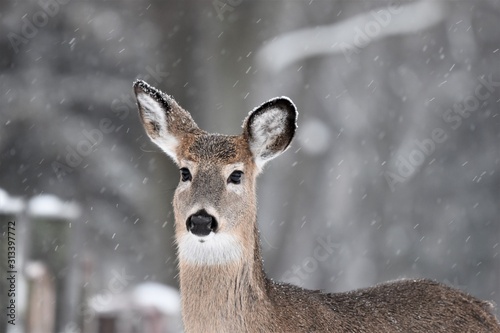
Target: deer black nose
{"type": "Point", "coordinates": [201, 223]}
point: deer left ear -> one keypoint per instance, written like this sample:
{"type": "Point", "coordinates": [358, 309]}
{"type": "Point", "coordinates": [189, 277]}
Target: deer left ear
{"type": "Point", "coordinates": [270, 128]}
{"type": "Point", "coordinates": [166, 123]}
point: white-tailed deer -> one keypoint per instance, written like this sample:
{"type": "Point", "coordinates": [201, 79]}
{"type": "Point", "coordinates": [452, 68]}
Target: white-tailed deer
{"type": "Point", "coordinates": [223, 285]}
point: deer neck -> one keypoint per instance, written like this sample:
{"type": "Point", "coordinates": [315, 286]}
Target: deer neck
{"type": "Point", "coordinates": [223, 298]}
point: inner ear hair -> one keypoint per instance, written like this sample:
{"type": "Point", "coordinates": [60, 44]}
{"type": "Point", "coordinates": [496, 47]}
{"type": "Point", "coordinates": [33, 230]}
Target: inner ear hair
{"type": "Point", "coordinates": [270, 128]}
{"type": "Point", "coordinates": [165, 122]}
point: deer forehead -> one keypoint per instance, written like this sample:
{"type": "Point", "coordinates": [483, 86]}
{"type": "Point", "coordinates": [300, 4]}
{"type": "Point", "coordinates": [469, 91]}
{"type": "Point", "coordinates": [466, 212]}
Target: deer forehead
{"type": "Point", "coordinates": [215, 149]}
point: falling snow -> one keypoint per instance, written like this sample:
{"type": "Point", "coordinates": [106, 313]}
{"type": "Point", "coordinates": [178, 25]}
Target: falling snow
{"type": "Point", "coordinates": [396, 155]}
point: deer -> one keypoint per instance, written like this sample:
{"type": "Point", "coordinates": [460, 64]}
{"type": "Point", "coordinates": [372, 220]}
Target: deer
{"type": "Point", "coordinates": [223, 285]}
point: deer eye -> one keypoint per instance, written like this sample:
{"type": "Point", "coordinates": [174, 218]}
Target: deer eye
{"type": "Point", "coordinates": [185, 175]}
{"type": "Point", "coordinates": [235, 177]}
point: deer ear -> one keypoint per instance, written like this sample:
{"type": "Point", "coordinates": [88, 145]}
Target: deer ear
{"type": "Point", "coordinates": [166, 123]}
{"type": "Point", "coordinates": [269, 129]}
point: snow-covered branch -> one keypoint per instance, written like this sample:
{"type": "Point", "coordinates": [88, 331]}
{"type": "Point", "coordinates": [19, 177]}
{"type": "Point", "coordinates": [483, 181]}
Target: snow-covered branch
{"type": "Point", "coordinates": [352, 34]}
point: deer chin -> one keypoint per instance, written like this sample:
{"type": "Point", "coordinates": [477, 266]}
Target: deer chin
{"type": "Point", "coordinates": [214, 249]}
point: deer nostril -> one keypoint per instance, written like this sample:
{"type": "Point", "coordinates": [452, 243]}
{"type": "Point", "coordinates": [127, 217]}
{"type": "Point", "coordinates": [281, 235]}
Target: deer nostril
{"type": "Point", "coordinates": [201, 223]}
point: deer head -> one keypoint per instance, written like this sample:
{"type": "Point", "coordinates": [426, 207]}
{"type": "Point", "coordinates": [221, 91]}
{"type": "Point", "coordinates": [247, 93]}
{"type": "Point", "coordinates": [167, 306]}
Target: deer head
{"type": "Point", "coordinates": [215, 201]}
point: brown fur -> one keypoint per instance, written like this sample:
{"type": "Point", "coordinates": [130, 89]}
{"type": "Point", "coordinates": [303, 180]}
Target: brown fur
{"type": "Point", "coordinates": [238, 297]}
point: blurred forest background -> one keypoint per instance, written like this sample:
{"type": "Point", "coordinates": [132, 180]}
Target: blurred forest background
{"type": "Point", "coordinates": [394, 170]}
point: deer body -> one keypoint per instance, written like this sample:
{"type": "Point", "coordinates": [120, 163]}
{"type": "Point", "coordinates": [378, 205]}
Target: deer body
{"type": "Point", "coordinates": [223, 284]}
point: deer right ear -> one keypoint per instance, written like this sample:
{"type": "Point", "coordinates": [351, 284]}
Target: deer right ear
{"type": "Point", "coordinates": [164, 120]}
{"type": "Point", "coordinates": [270, 128]}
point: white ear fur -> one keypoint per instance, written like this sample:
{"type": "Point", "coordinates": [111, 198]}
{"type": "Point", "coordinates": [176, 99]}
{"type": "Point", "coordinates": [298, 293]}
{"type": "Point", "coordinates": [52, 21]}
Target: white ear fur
{"type": "Point", "coordinates": [270, 129]}
{"type": "Point", "coordinates": [166, 123]}
{"type": "Point", "coordinates": [265, 130]}
{"type": "Point", "coordinates": [154, 117]}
